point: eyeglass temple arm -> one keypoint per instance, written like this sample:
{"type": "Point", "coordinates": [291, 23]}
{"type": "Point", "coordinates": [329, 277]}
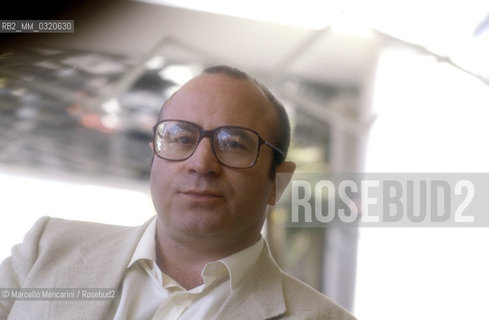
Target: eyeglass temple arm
{"type": "Point", "coordinates": [274, 148]}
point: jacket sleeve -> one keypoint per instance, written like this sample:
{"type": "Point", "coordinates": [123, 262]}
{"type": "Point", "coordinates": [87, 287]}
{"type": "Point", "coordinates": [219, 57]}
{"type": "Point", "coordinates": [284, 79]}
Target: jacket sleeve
{"type": "Point", "coordinates": [15, 269]}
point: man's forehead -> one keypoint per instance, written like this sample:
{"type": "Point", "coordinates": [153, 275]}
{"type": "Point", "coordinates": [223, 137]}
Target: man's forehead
{"type": "Point", "coordinates": [218, 86]}
{"type": "Point", "coordinates": [213, 100]}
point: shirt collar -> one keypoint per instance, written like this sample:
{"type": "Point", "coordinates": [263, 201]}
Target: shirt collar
{"type": "Point", "coordinates": [240, 262]}
{"type": "Point", "coordinates": [236, 264]}
{"type": "Point", "coordinates": [145, 249]}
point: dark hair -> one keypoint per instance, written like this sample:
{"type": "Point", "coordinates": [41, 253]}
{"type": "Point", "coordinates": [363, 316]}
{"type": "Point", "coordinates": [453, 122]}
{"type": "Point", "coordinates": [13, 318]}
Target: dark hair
{"type": "Point", "coordinates": [282, 137]}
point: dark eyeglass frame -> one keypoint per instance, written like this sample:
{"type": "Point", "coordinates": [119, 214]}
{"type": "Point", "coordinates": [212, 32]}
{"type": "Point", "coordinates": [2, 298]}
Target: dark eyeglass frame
{"type": "Point", "coordinates": [211, 135]}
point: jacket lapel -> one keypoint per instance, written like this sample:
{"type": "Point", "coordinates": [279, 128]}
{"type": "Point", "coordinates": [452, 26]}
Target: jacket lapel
{"type": "Point", "coordinates": [259, 295]}
{"type": "Point", "coordinates": [101, 264]}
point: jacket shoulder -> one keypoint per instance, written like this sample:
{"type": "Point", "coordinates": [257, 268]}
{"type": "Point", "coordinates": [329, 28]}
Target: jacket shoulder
{"type": "Point", "coordinates": [54, 238]}
{"type": "Point", "coordinates": [79, 231]}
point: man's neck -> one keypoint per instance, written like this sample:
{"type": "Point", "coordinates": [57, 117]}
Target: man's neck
{"type": "Point", "coordinates": [184, 261]}
{"type": "Point", "coordinates": [181, 263]}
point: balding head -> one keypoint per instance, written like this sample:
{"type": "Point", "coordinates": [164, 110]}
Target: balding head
{"type": "Point", "coordinates": [279, 126]}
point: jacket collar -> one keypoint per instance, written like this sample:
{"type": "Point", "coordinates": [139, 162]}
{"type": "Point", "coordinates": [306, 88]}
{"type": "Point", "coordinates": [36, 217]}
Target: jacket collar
{"type": "Point", "coordinates": [260, 294]}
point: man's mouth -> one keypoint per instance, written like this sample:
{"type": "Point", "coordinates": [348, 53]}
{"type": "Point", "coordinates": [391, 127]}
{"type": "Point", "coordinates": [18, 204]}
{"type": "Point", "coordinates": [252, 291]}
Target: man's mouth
{"type": "Point", "coordinates": [202, 194]}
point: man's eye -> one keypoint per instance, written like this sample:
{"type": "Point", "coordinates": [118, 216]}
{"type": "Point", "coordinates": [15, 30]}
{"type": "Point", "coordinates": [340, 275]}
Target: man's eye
{"type": "Point", "coordinates": [182, 140]}
{"type": "Point", "coordinates": [231, 144]}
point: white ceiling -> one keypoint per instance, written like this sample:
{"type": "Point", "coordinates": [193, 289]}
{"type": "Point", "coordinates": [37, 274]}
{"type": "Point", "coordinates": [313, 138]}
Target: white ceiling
{"type": "Point", "coordinates": [133, 29]}
{"type": "Point", "coordinates": [141, 30]}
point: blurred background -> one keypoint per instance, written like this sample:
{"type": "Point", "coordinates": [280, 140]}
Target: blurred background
{"type": "Point", "coordinates": [370, 86]}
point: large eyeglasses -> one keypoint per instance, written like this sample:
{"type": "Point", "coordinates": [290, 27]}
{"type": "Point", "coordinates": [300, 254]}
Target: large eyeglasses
{"type": "Point", "coordinates": [235, 147]}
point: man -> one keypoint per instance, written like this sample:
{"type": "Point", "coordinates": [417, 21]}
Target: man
{"type": "Point", "coordinates": [219, 144]}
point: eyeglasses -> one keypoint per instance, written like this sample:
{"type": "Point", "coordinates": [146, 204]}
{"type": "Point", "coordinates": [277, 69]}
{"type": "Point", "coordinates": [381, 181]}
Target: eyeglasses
{"type": "Point", "coordinates": [235, 147]}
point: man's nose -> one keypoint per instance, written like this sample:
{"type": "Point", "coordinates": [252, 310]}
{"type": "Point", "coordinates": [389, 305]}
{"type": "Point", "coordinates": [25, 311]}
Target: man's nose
{"type": "Point", "coordinates": [203, 161]}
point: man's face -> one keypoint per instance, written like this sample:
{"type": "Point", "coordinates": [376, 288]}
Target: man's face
{"type": "Point", "coordinates": [199, 197]}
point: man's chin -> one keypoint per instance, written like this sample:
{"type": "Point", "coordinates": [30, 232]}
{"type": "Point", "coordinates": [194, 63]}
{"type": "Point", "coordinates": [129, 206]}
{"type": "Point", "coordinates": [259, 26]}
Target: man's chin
{"type": "Point", "coordinates": [204, 222]}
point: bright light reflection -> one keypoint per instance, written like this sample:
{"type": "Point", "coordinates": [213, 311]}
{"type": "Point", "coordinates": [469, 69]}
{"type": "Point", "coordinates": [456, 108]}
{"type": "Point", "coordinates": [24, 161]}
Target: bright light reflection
{"type": "Point", "coordinates": [422, 274]}
{"type": "Point", "coordinates": [432, 118]}
{"type": "Point", "coordinates": [26, 199]}
{"type": "Point", "coordinates": [156, 62]}
{"type": "Point", "coordinates": [178, 74]}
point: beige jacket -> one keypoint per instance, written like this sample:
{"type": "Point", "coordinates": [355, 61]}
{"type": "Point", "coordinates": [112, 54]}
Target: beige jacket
{"type": "Point", "coordinates": [59, 253]}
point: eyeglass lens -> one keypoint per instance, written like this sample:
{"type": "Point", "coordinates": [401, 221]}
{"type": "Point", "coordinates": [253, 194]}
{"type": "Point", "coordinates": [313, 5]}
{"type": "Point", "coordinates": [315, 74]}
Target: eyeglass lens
{"type": "Point", "coordinates": [235, 147]}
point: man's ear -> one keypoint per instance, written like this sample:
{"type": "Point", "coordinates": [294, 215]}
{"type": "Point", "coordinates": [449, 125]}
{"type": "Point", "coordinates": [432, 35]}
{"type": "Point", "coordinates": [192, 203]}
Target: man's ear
{"type": "Point", "coordinates": [151, 146]}
{"type": "Point", "coordinates": [283, 175]}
